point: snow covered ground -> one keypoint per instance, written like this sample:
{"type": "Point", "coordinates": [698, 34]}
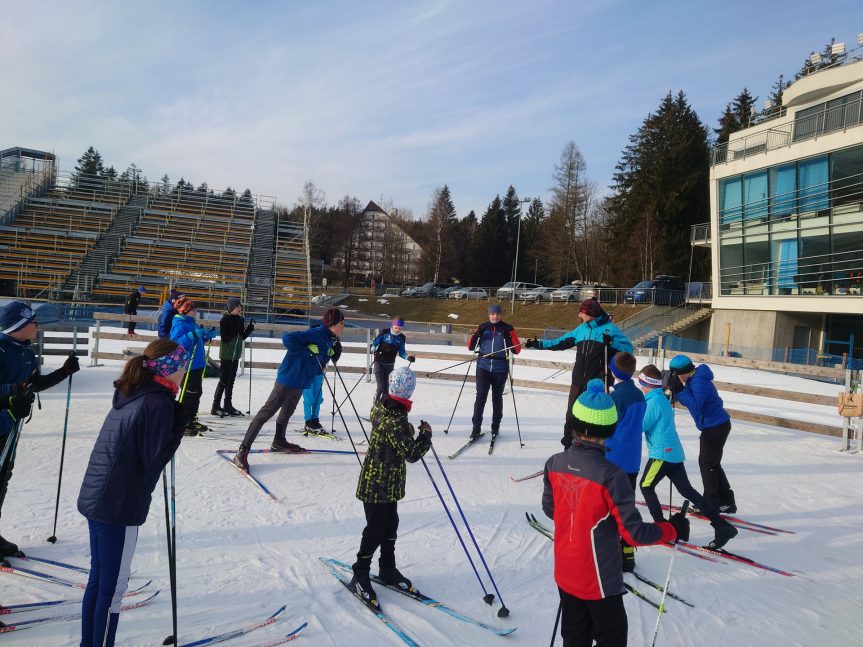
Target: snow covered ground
{"type": "Point", "coordinates": [242, 555]}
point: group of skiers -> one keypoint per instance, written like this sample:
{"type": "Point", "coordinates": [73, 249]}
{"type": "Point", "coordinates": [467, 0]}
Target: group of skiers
{"type": "Point", "coordinates": [608, 411]}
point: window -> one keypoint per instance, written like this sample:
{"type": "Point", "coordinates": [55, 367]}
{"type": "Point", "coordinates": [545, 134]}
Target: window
{"type": "Point", "coordinates": [730, 201]}
{"type": "Point", "coordinates": [755, 195]}
{"type": "Point", "coordinates": [846, 176]}
{"type": "Point", "coordinates": [812, 179]}
{"type": "Point", "coordinates": [783, 190]}
{"type": "Point", "coordinates": [731, 265]}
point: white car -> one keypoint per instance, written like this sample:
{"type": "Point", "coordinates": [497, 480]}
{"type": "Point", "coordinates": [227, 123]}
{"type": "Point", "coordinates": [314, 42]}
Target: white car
{"type": "Point", "coordinates": [469, 293]}
{"type": "Point", "coordinates": [537, 294]}
{"type": "Point", "coordinates": [505, 291]}
{"type": "Point", "coordinates": [567, 293]}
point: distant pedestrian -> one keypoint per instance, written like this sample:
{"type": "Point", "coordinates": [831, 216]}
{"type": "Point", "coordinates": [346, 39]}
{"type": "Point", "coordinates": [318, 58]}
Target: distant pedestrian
{"type": "Point", "coordinates": [389, 343]}
{"type": "Point", "coordinates": [595, 340]}
{"type": "Point", "coordinates": [131, 307]}
{"type": "Point", "coordinates": [492, 341]}
{"type": "Point", "coordinates": [166, 314]}
{"type": "Point", "coordinates": [232, 333]}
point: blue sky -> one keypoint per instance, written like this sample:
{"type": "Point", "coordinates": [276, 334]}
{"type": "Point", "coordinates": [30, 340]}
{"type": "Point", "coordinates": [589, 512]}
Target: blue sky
{"type": "Point", "coordinates": [387, 99]}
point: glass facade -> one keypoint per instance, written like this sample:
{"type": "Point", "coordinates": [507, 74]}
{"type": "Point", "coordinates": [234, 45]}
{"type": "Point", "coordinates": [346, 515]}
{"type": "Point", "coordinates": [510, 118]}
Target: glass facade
{"type": "Point", "coordinates": [794, 229]}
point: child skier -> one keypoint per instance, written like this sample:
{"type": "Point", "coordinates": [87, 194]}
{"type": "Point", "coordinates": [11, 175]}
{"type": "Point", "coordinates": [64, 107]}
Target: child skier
{"type": "Point", "coordinates": [307, 356]}
{"type": "Point", "coordinates": [166, 314]}
{"type": "Point", "coordinates": [593, 506]}
{"type": "Point", "coordinates": [137, 439]}
{"type": "Point", "coordinates": [382, 481]}
{"type": "Point", "coordinates": [624, 447]}
{"type": "Point", "coordinates": [594, 339]}
{"type": "Point", "coordinates": [385, 347]}
{"type": "Point", "coordinates": [131, 307]}
{"type": "Point", "coordinates": [313, 398]}
{"type": "Point", "coordinates": [698, 394]}
{"type": "Point", "coordinates": [186, 332]}
{"type": "Point", "coordinates": [231, 334]}
{"type": "Point", "coordinates": [492, 340]}
{"type": "Point", "coordinates": [665, 458]}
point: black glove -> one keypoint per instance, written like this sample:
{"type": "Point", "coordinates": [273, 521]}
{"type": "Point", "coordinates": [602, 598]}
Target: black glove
{"type": "Point", "coordinates": [606, 339]}
{"type": "Point", "coordinates": [411, 359]}
{"type": "Point", "coordinates": [71, 365]}
{"type": "Point", "coordinates": [566, 440]}
{"type": "Point", "coordinates": [532, 343]}
{"type": "Point", "coordinates": [337, 351]}
{"type": "Point", "coordinates": [249, 329]}
{"type": "Point", "coordinates": [424, 426]}
{"type": "Point", "coordinates": [20, 405]}
{"type": "Point", "coordinates": [181, 420]}
{"type": "Point", "coordinates": [681, 525]}
{"type": "Point", "coordinates": [671, 382]}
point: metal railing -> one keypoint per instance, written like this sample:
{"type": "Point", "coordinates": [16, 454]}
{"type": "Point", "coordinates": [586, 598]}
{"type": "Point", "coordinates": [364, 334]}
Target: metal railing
{"type": "Point", "coordinates": [700, 234]}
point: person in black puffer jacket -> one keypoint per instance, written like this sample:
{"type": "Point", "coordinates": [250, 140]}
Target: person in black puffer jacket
{"type": "Point", "coordinates": [232, 331]}
{"type": "Point", "coordinates": [137, 439]}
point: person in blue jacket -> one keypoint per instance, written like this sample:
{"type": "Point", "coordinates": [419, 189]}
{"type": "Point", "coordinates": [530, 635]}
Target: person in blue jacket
{"type": "Point", "coordinates": [186, 332]}
{"type": "Point", "coordinates": [492, 341]}
{"type": "Point", "coordinates": [697, 393]}
{"type": "Point", "coordinates": [166, 314]}
{"type": "Point", "coordinates": [138, 438]}
{"type": "Point", "coordinates": [313, 398]}
{"type": "Point", "coordinates": [385, 347]}
{"type": "Point", "coordinates": [624, 446]}
{"type": "Point", "coordinates": [665, 458]}
{"type": "Point", "coordinates": [20, 378]}
{"type": "Point", "coordinates": [307, 356]}
{"type": "Point", "coordinates": [594, 340]}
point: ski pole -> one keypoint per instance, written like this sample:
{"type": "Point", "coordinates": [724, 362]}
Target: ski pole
{"type": "Point", "coordinates": [556, 622]}
{"type": "Point", "coordinates": [515, 409]}
{"type": "Point", "coordinates": [500, 350]}
{"type": "Point", "coordinates": [503, 612]}
{"type": "Point", "coordinates": [463, 382]}
{"type": "Point", "coordinates": [53, 538]}
{"type": "Point", "coordinates": [333, 408]}
{"type": "Point", "coordinates": [353, 406]}
{"type": "Point", "coordinates": [553, 375]}
{"type": "Point", "coordinates": [172, 557]}
{"type": "Point", "coordinates": [353, 446]}
{"type": "Point", "coordinates": [170, 639]}
{"type": "Point", "coordinates": [249, 410]}
{"type": "Point", "coordinates": [683, 511]}
{"type": "Point", "coordinates": [488, 598]}
{"type": "Point", "coordinates": [362, 375]}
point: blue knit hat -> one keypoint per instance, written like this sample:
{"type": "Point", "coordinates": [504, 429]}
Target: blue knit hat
{"type": "Point", "coordinates": [594, 411]}
{"type": "Point", "coordinates": [15, 315]}
{"type": "Point", "coordinates": [398, 321]}
{"type": "Point", "coordinates": [142, 289]}
{"type": "Point", "coordinates": [402, 383]}
{"type": "Point", "coordinates": [681, 365]}
{"type": "Point", "coordinates": [495, 309]}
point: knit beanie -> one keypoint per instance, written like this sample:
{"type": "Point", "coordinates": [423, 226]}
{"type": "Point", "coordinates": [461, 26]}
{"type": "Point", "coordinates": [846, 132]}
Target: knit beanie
{"type": "Point", "coordinates": [402, 383]}
{"type": "Point", "coordinates": [15, 315]}
{"type": "Point", "coordinates": [332, 317]}
{"type": "Point", "coordinates": [495, 309]}
{"type": "Point", "coordinates": [184, 304]}
{"type": "Point", "coordinates": [173, 294]}
{"type": "Point", "coordinates": [142, 289]}
{"type": "Point", "coordinates": [594, 411]}
{"type": "Point", "coordinates": [167, 364]}
{"type": "Point", "coordinates": [591, 307]}
{"type": "Point", "coordinates": [233, 302]}
{"type": "Point", "coordinates": [681, 365]}
{"type": "Point", "coordinates": [398, 321]}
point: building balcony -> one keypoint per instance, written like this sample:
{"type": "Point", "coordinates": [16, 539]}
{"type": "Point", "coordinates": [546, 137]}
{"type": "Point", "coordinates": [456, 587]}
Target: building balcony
{"type": "Point", "coordinates": [700, 235]}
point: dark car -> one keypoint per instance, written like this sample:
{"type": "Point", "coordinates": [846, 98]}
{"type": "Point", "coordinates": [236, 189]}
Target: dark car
{"type": "Point", "coordinates": [663, 290]}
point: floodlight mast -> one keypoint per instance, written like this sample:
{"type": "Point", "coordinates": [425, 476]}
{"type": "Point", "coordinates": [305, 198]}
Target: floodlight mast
{"type": "Point", "coordinates": [515, 262]}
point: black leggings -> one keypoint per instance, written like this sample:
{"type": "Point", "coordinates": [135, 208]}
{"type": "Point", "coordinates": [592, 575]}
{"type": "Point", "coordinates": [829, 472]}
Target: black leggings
{"type": "Point", "coordinates": [192, 393]}
{"type": "Point", "coordinates": [717, 490]}
{"type": "Point", "coordinates": [583, 621]}
{"type": "Point", "coordinates": [382, 524]}
{"type": "Point", "coordinates": [655, 471]}
{"type": "Point", "coordinates": [382, 378]}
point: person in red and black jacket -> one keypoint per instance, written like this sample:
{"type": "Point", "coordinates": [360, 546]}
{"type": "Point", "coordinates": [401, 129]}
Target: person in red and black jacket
{"type": "Point", "coordinates": [492, 340]}
{"type": "Point", "coordinates": [593, 505]}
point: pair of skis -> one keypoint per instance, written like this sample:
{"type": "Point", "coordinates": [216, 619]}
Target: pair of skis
{"type": "Point", "coordinates": [735, 521]}
{"type": "Point", "coordinates": [341, 572]}
{"type": "Point", "coordinates": [473, 441]}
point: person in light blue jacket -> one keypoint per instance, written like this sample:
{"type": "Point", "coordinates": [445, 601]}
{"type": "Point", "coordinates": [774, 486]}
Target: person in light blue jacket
{"type": "Point", "coordinates": [665, 458]}
{"type": "Point", "coordinates": [186, 332]}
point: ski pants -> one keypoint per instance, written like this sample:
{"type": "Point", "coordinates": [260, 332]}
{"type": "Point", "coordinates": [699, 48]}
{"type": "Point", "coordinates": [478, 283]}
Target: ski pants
{"type": "Point", "coordinates": [382, 524]}
{"type": "Point", "coordinates": [583, 621]}
{"type": "Point", "coordinates": [9, 464]}
{"type": "Point", "coordinates": [655, 471]}
{"type": "Point", "coordinates": [227, 376]}
{"type": "Point", "coordinates": [111, 551]}
{"type": "Point", "coordinates": [282, 399]}
{"type": "Point", "coordinates": [313, 397]}
{"type": "Point", "coordinates": [717, 490]}
{"type": "Point", "coordinates": [485, 380]}
{"type": "Point", "coordinates": [192, 393]}
{"type": "Point", "coordinates": [382, 379]}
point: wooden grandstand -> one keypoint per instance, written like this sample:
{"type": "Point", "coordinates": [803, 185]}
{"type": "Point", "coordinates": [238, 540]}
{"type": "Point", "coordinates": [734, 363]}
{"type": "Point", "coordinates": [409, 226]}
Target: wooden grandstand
{"type": "Point", "coordinates": [98, 239]}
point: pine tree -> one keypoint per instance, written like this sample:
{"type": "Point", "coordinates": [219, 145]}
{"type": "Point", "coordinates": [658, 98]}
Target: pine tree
{"type": "Point", "coordinates": [737, 116]}
{"type": "Point", "coordinates": [439, 253]}
{"type": "Point", "coordinates": [530, 241]}
{"type": "Point", "coordinates": [828, 59]}
{"type": "Point", "coordinates": [88, 170]}
{"type": "Point", "coordinates": [489, 242]}
{"type": "Point", "coordinates": [511, 207]}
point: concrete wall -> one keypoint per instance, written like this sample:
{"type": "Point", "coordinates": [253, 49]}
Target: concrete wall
{"type": "Point", "coordinates": [749, 328]}
{"type": "Point", "coordinates": [786, 321]}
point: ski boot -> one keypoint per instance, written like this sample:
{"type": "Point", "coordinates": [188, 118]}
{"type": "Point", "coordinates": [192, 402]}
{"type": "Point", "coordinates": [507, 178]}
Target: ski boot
{"type": "Point", "coordinates": [361, 584]}
{"type": "Point", "coordinates": [723, 533]}
{"type": "Point", "coordinates": [393, 577]}
{"type": "Point", "coordinates": [728, 506]}
{"type": "Point", "coordinates": [231, 412]}
{"type": "Point", "coordinates": [281, 444]}
{"type": "Point", "coordinates": [475, 434]}
{"type": "Point", "coordinates": [241, 459]}
{"type": "Point", "coordinates": [7, 548]}
{"type": "Point", "coordinates": [494, 432]}
{"type": "Point", "coordinates": [314, 426]}
{"type": "Point", "coordinates": [216, 410]}
{"type": "Point", "coordinates": [198, 426]}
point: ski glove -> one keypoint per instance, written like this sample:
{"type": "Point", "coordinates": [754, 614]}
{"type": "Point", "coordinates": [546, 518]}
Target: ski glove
{"type": "Point", "coordinates": [411, 359]}
{"type": "Point", "coordinates": [532, 343]}
{"type": "Point", "coordinates": [19, 406]}
{"type": "Point", "coordinates": [681, 525]}
{"type": "Point", "coordinates": [313, 349]}
{"type": "Point", "coordinates": [249, 329]}
{"type": "Point", "coordinates": [71, 365]}
{"type": "Point", "coordinates": [424, 426]}
{"type": "Point", "coordinates": [209, 334]}
{"type": "Point", "coordinates": [335, 352]}
{"type": "Point", "coordinates": [606, 339]}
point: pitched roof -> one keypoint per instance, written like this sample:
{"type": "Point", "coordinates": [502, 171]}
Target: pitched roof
{"type": "Point", "coordinates": [371, 206]}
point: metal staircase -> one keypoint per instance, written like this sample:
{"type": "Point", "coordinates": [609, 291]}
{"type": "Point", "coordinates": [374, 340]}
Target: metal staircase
{"type": "Point", "coordinates": [672, 322]}
{"type": "Point", "coordinates": [110, 244]}
{"type": "Point", "coordinates": [259, 276]}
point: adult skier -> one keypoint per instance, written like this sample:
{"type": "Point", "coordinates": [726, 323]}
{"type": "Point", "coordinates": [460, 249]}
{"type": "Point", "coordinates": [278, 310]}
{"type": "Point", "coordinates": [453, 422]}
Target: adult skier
{"type": "Point", "coordinates": [232, 332]}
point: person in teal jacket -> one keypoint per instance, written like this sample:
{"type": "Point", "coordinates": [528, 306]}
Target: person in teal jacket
{"type": "Point", "coordinates": [186, 332]}
{"type": "Point", "coordinates": [665, 458]}
{"type": "Point", "coordinates": [307, 357]}
{"type": "Point", "coordinates": [595, 341]}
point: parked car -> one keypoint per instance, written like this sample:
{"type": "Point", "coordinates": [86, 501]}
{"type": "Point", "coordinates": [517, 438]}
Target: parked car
{"type": "Point", "coordinates": [506, 290]}
{"type": "Point", "coordinates": [566, 293]}
{"type": "Point", "coordinates": [537, 294]}
{"type": "Point", "coordinates": [469, 293]}
{"type": "Point", "coordinates": [444, 294]}
{"type": "Point", "coordinates": [439, 289]}
{"type": "Point", "coordinates": [429, 289]}
{"type": "Point", "coordinates": [663, 290]}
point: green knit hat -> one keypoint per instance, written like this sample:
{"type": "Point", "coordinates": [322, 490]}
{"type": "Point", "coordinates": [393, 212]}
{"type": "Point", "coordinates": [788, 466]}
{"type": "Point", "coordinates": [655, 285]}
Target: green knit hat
{"type": "Point", "coordinates": [594, 411]}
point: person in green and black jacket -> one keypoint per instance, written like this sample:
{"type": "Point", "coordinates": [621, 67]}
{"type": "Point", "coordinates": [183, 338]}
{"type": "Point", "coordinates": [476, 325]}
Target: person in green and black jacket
{"type": "Point", "coordinates": [232, 335]}
{"type": "Point", "coordinates": [382, 481]}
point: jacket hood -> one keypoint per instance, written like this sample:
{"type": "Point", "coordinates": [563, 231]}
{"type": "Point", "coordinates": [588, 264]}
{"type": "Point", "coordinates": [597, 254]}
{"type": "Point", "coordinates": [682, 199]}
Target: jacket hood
{"type": "Point", "coordinates": [121, 399]}
{"type": "Point", "coordinates": [703, 370]}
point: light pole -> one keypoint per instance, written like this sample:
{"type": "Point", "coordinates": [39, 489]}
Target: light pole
{"type": "Point", "coordinates": [535, 268]}
{"type": "Point", "coordinates": [515, 262]}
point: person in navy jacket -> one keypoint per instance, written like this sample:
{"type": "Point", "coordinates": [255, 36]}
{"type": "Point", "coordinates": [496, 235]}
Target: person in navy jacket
{"type": "Point", "coordinates": [166, 314]}
{"type": "Point", "coordinates": [697, 393]}
{"type": "Point", "coordinates": [593, 506]}
{"type": "Point", "coordinates": [307, 356]}
{"type": "Point", "coordinates": [186, 332]}
{"type": "Point", "coordinates": [19, 380]}
{"type": "Point", "coordinates": [137, 439]}
{"type": "Point", "coordinates": [492, 340]}
{"type": "Point", "coordinates": [385, 347]}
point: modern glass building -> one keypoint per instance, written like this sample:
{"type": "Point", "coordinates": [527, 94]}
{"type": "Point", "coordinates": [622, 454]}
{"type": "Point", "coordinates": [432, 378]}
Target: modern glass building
{"type": "Point", "coordinates": [787, 221]}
